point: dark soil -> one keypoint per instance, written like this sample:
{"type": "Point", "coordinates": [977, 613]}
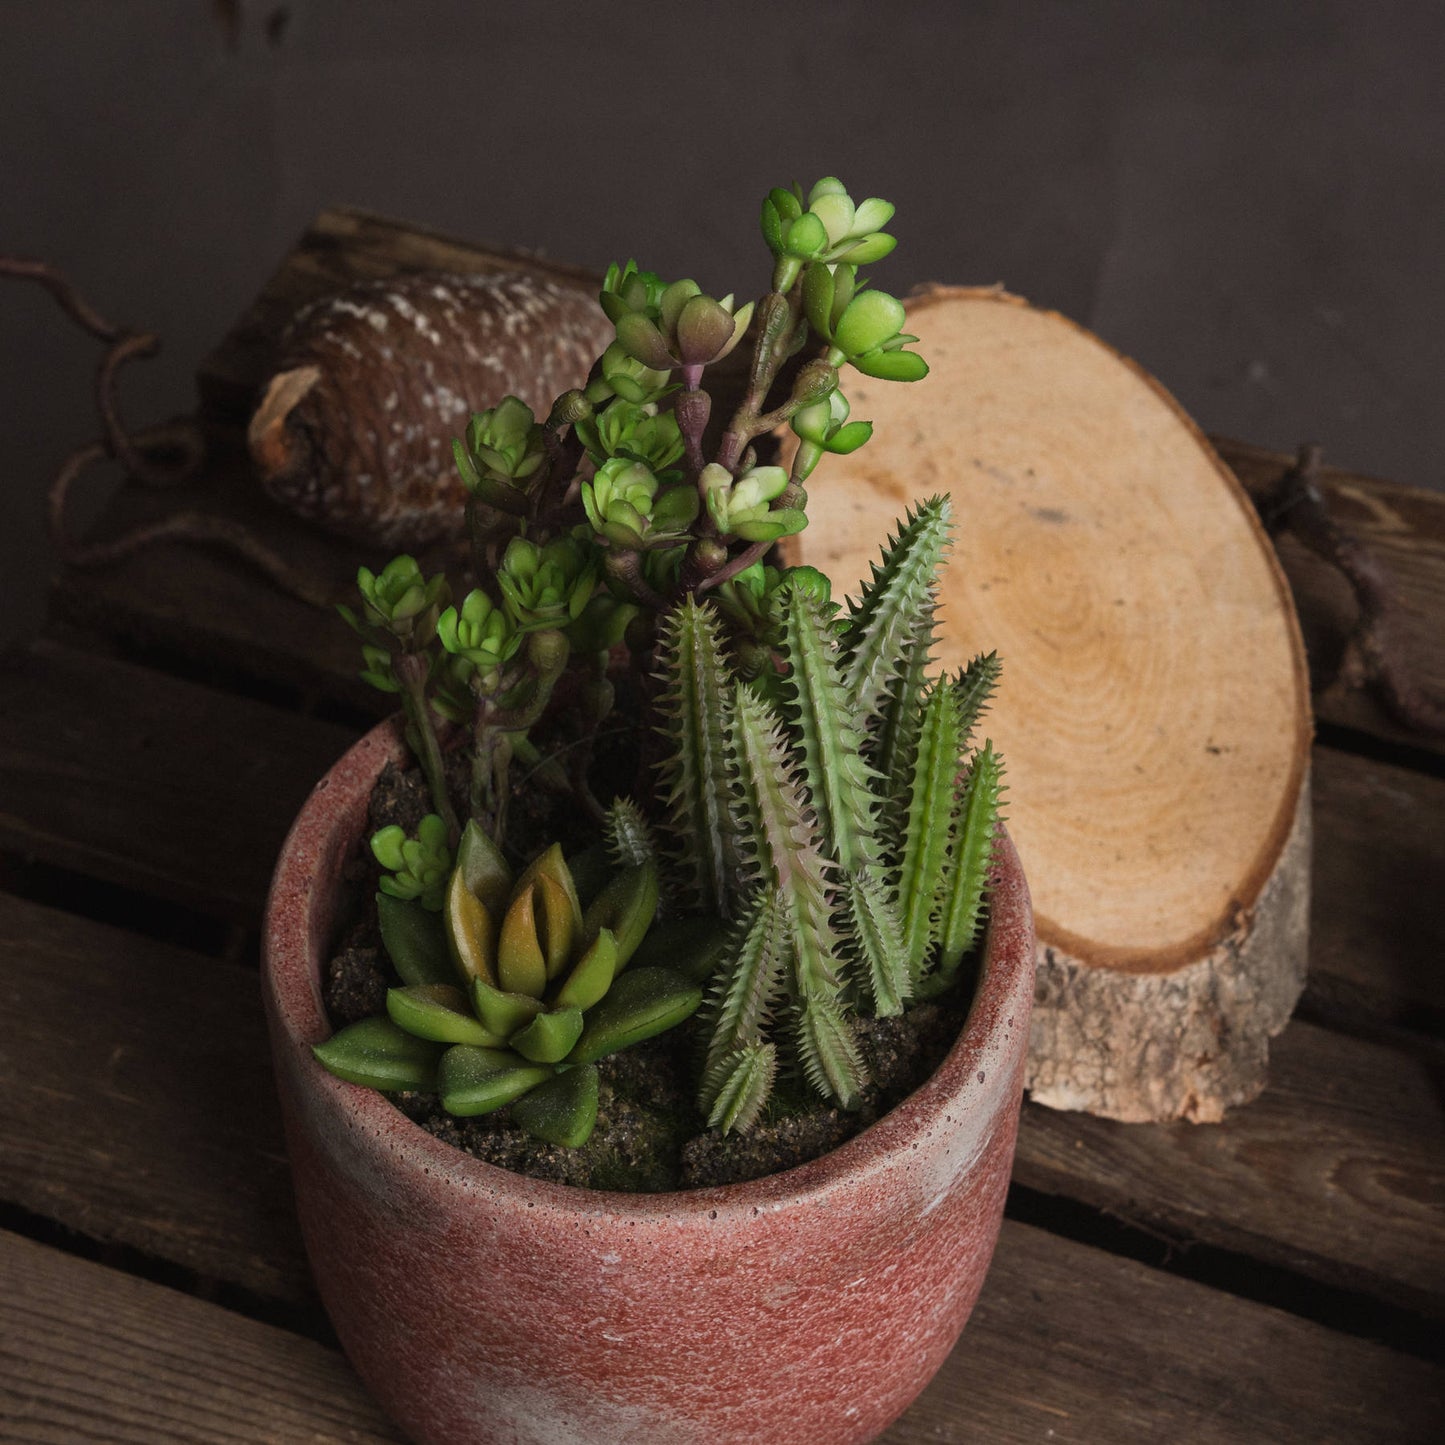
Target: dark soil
{"type": "Point", "coordinates": [650, 1136]}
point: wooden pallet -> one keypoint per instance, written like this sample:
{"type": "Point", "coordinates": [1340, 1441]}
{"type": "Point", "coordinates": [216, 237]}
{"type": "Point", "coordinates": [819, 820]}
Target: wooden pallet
{"type": "Point", "coordinates": [1277, 1277]}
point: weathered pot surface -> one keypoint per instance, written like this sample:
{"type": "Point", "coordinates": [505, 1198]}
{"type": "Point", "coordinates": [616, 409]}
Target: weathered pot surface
{"type": "Point", "coordinates": [482, 1306]}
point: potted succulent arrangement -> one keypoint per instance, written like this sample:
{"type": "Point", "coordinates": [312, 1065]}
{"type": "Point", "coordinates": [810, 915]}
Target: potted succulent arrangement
{"type": "Point", "coordinates": [698, 846]}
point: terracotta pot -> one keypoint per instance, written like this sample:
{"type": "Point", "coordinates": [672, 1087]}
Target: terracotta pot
{"type": "Point", "coordinates": [479, 1305]}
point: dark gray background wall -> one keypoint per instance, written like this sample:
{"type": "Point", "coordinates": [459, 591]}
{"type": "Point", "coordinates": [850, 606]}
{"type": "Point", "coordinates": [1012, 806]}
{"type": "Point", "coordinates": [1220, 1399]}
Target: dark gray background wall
{"type": "Point", "coordinates": [1248, 196]}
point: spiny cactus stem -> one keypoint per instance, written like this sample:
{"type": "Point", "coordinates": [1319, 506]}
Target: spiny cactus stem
{"type": "Point", "coordinates": [411, 671]}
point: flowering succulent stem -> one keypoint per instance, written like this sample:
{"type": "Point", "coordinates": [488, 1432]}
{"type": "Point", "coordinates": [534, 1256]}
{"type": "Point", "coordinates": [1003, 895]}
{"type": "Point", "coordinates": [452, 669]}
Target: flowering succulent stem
{"type": "Point", "coordinates": [692, 409]}
{"type": "Point", "coordinates": [411, 674]}
{"type": "Point", "coordinates": [624, 565]}
{"type": "Point", "coordinates": [809, 770]}
{"type": "Point", "coordinates": [487, 740]}
{"type": "Point", "coordinates": [730, 569]}
{"type": "Point", "coordinates": [778, 317]}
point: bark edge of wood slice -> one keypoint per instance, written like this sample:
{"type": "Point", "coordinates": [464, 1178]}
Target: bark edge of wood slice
{"type": "Point", "coordinates": [1154, 707]}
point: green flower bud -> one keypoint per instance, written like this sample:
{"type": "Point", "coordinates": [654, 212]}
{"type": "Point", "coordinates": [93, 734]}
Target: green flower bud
{"type": "Point", "coordinates": [830, 228]}
{"type": "Point", "coordinates": [618, 501]}
{"type": "Point", "coordinates": [740, 508]}
{"type": "Point", "coordinates": [627, 289]}
{"type": "Point", "coordinates": [640, 433]}
{"type": "Point", "coordinates": [623, 375]}
{"type": "Point", "coordinates": [481, 634]}
{"type": "Point", "coordinates": [545, 587]}
{"type": "Point", "coordinates": [851, 229]}
{"type": "Point", "coordinates": [689, 329]}
{"type": "Point", "coordinates": [707, 330]}
{"type": "Point", "coordinates": [502, 447]}
{"type": "Point", "coordinates": [401, 601]}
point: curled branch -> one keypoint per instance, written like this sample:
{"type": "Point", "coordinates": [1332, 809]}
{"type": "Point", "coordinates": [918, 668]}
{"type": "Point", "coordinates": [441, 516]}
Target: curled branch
{"type": "Point", "coordinates": [160, 456]}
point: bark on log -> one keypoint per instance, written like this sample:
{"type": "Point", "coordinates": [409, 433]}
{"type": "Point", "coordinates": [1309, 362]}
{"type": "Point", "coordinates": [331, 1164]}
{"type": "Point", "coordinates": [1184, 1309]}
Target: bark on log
{"type": "Point", "coordinates": [1154, 705]}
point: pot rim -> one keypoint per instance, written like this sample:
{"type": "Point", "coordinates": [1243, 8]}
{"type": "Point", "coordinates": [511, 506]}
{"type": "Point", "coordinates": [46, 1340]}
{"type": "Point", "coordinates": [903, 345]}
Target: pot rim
{"type": "Point", "coordinates": [972, 1083]}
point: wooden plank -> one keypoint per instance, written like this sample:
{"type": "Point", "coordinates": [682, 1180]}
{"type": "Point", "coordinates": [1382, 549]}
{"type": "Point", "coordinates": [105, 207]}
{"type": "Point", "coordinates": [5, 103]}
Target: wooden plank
{"type": "Point", "coordinates": [1377, 931]}
{"type": "Point", "coordinates": [90, 1354]}
{"type": "Point", "coordinates": [151, 782]}
{"type": "Point", "coordinates": [1405, 529]}
{"type": "Point", "coordinates": [1337, 1171]}
{"type": "Point", "coordinates": [207, 605]}
{"type": "Point", "coordinates": [343, 245]}
{"type": "Point", "coordinates": [142, 1117]}
{"type": "Point", "coordinates": [1069, 1344]}
{"type": "Point", "coordinates": [140, 1108]}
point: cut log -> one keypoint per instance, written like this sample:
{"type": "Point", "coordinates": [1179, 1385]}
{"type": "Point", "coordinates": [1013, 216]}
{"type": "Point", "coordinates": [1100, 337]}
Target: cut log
{"type": "Point", "coordinates": [1154, 706]}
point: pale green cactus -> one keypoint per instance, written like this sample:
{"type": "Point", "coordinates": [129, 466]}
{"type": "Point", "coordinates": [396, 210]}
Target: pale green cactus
{"type": "Point", "coordinates": [841, 902]}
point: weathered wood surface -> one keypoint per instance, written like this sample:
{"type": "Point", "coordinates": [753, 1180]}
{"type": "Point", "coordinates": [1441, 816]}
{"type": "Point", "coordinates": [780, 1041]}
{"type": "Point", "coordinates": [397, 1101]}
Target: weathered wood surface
{"type": "Point", "coordinates": [1404, 528]}
{"type": "Point", "coordinates": [1336, 1171]}
{"type": "Point", "coordinates": [147, 1130]}
{"type": "Point", "coordinates": [1065, 1340]}
{"type": "Point", "coordinates": [140, 1108]}
{"type": "Point", "coordinates": [91, 1354]}
{"type": "Point", "coordinates": [148, 781]}
{"type": "Point", "coordinates": [207, 605]}
{"type": "Point", "coordinates": [1120, 1353]}
{"type": "Point", "coordinates": [1067, 1343]}
{"type": "Point", "coordinates": [154, 1127]}
{"type": "Point", "coordinates": [203, 603]}
{"type": "Point", "coordinates": [1377, 927]}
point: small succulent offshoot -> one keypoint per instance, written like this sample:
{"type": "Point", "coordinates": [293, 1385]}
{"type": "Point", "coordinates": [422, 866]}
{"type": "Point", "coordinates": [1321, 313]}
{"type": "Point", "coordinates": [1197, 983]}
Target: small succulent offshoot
{"type": "Point", "coordinates": [816, 812]}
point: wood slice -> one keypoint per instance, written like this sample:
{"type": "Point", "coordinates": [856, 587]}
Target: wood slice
{"type": "Point", "coordinates": [1154, 704]}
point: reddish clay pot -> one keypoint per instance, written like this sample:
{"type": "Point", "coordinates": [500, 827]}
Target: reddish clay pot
{"type": "Point", "coordinates": [479, 1305]}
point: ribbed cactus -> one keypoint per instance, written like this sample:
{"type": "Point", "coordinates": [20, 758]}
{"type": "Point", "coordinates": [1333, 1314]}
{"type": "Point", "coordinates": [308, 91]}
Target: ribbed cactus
{"type": "Point", "coordinates": [835, 812]}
